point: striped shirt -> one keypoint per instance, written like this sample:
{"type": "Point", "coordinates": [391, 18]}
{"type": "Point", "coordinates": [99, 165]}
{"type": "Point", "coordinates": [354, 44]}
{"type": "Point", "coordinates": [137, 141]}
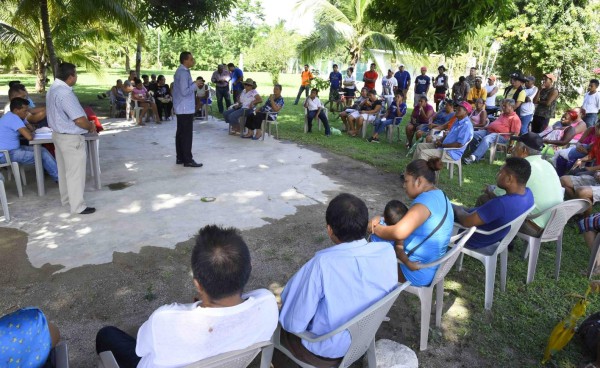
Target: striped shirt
{"type": "Point", "coordinates": [62, 108]}
{"type": "Point", "coordinates": [184, 91]}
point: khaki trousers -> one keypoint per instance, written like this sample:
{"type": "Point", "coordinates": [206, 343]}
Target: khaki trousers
{"type": "Point", "coordinates": [71, 161]}
{"type": "Point", "coordinates": [426, 151]}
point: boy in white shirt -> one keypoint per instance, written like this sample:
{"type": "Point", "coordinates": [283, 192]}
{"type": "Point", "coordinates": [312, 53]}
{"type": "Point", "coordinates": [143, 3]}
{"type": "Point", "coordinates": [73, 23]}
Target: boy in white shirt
{"type": "Point", "coordinates": [591, 104]}
{"type": "Point", "coordinates": [223, 320]}
{"type": "Point", "coordinates": [315, 108]}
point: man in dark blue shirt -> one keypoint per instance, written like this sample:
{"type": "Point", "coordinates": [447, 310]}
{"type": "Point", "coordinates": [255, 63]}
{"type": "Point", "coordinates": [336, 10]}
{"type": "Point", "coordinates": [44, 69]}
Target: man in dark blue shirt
{"type": "Point", "coordinates": [335, 83]}
{"type": "Point", "coordinates": [237, 77]}
{"type": "Point", "coordinates": [403, 78]}
{"type": "Point", "coordinates": [422, 83]}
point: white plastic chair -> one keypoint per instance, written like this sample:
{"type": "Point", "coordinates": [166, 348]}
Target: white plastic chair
{"type": "Point", "coordinates": [395, 126]}
{"type": "Point", "coordinates": [362, 329]}
{"type": "Point", "coordinates": [233, 359]}
{"type": "Point", "coordinates": [450, 163]}
{"type": "Point", "coordinates": [266, 124]}
{"type": "Point", "coordinates": [366, 122]}
{"type": "Point", "coordinates": [212, 96]}
{"type": "Point", "coordinates": [559, 215]}
{"type": "Point", "coordinates": [16, 172]}
{"type": "Point", "coordinates": [489, 256]}
{"type": "Point", "coordinates": [320, 123]}
{"type": "Point", "coordinates": [494, 147]}
{"type": "Point", "coordinates": [593, 256]}
{"type": "Point", "coordinates": [425, 293]}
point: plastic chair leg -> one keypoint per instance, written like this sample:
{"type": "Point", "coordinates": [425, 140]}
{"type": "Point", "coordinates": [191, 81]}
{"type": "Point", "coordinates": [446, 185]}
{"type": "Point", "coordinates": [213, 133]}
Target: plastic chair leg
{"type": "Point", "coordinates": [4, 202]}
{"type": "Point", "coordinates": [460, 261]}
{"type": "Point", "coordinates": [558, 255]}
{"type": "Point", "coordinates": [503, 269]}
{"type": "Point", "coordinates": [426, 296]}
{"type": "Point", "coordinates": [451, 170]}
{"type": "Point", "coordinates": [490, 280]}
{"type": "Point", "coordinates": [460, 181]}
{"type": "Point", "coordinates": [17, 174]}
{"type": "Point", "coordinates": [439, 303]}
{"type": "Point", "coordinates": [23, 177]}
{"type": "Point", "coordinates": [266, 356]}
{"type": "Point", "coordinates": [371, 358]}
{"type": "Point", "coordinates": [534, 251]}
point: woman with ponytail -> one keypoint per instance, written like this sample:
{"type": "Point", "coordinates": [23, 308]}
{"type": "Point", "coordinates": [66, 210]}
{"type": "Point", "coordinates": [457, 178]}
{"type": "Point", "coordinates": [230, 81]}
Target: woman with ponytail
{"type": "Point", "coordinates": [423, 234]}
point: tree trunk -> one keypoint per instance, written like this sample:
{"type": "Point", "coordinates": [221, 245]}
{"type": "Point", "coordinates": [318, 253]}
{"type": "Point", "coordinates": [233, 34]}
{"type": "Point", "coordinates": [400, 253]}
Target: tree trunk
{"type": "Point", "coordinates": [48, 36]}
{"type": "Point", "coordinates": [138, 58]}
{"type": "Point", "coordinates": [40, 73]}
{"type": "Point", "coordinates": [127, 60]}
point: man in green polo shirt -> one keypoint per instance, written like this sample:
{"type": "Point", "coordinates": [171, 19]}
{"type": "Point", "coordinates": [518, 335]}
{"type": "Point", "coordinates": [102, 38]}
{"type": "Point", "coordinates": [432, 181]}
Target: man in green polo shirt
{"type": "Point", "coordinates": [544, 183]}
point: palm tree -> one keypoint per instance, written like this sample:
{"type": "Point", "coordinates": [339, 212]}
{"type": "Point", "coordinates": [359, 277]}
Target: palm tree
{"type": "Point", "coordinates": [342, 23]}
{"type": "Point", "coordinates": [83, 14]}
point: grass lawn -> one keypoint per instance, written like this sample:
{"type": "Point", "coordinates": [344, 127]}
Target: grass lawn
{"type": "Point", "coordinates": [515, 332]}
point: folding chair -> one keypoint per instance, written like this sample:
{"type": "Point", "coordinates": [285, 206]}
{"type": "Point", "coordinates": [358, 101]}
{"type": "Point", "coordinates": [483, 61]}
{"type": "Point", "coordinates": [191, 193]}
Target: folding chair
{"type": "Point", "coordinates": [233, 359]}
{"type": "Point", "coordinates": [16, 171]}
{"type": "Point", "coordinates": [489, 256]}
{"type": "Point", "coordinates": [559, 215]}
{"type": "Point", "coordinates": [425, 293]}
{"type": "Point", "coordinates": [362, 329]}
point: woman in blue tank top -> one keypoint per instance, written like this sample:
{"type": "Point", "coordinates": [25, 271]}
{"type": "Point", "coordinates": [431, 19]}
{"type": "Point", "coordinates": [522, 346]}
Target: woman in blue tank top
{"type": "Point", "coordinates": [431, 209]}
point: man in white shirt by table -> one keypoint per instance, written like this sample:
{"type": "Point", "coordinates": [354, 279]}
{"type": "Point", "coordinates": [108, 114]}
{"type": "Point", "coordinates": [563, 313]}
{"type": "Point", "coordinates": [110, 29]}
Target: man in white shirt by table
{"type": "Point", "coordinates": [69, 123]}
{"type": "Point", "coordinates": [591, 104]}
{"type": "Point", "coordinates": [223, 320]}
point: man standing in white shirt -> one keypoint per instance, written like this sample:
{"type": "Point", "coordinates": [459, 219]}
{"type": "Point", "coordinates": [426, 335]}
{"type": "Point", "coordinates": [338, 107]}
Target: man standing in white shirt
{"type": "Point", "coordinates": [69, 122]}
{"type": "Point", "coordinates": [223, 320]}
{"type": "Point", "coordinates": [527, 108]}
{"type": "Point", "coordinates": [591, 104]}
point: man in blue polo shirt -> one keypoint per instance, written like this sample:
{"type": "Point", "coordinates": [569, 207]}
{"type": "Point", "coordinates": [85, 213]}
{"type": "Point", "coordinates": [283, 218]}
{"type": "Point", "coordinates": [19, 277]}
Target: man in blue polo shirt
{"type": "Point", "coordinates": [335, 83]}
{"type": "Point", "coordinates": [499, 211]}
{"type": "Point", "coordinates": [403, 78]}
{"type": "Point", "coordinates": [237, 79]}
{"type": "Point", "coordinates": [12, 126]}
{"type": "Point", "coordinates": [458, 136]}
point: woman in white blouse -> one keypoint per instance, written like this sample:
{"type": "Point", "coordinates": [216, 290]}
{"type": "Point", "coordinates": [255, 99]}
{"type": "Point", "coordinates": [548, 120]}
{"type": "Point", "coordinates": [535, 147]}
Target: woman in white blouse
{"type": "Point", "coordinates": [246, 103]}
{"type": "Point", "coordinates": [349, 86]}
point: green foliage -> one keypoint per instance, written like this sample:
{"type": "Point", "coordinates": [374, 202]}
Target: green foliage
{"type": "Point", "coordinates": [320, 84]}
{"type": "Point", "coordinates": [271, 52]}
{"type": "Point", "coordinates": [183, 15]}
{"type": "Point", "coordinates": [342, 23]}
{"type": "Point", "coordinates": [436, 26]}
{"type": "Point", "coordinates": [552, 37]}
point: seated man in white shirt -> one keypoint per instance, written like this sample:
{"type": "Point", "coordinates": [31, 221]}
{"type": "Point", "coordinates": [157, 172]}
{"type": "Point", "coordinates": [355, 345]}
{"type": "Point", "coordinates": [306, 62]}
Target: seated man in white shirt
{"type": "Point", "coordinates": [223, 320]}
{"type": "Point", "coordinates": [334, 286]}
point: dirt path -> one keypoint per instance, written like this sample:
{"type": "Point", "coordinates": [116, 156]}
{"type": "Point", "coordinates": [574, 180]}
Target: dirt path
{"type": "Point", "coordinates": [125, 292]}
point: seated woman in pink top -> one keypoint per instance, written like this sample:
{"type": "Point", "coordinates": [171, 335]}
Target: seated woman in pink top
{"type": "Point", "coordinates": [570, 128]}
{"type": "Point", "coordinates": [479, 117]}
{"type": "Point", "coordinates": [145, 101]}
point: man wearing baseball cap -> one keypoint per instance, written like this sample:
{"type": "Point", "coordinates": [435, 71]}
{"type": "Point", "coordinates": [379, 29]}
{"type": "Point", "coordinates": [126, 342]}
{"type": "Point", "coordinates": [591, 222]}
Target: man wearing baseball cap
{"type": "Point", "coordinates": [403, 78]}
{"type": "Point", "coordinates": [546, 103]}
{"type": "Point", "coordinates": [422, 83]}
{"type": "Point", "coordinates": [458, 136]}
{"type": "Point", "coordinates": [544, 183]}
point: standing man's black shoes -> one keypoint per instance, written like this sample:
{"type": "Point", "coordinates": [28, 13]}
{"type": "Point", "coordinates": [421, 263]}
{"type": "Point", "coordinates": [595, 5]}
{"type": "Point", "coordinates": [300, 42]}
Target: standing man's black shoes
{"type": "Point", "coordinates": [192, 164]}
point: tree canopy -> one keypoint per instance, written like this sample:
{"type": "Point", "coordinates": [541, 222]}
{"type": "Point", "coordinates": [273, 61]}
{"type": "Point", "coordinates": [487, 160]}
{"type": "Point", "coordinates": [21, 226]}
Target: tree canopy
{"type": "Point", "coordinates": [184, 15]}
{"type": "Point", "coordinates": [436, 26]}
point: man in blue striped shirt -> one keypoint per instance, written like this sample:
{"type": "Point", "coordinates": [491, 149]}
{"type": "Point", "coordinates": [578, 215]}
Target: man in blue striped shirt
{"type": "Point", "coordinates": [337, 284]}
{"type": "Point", "coordinates": [184, 104]}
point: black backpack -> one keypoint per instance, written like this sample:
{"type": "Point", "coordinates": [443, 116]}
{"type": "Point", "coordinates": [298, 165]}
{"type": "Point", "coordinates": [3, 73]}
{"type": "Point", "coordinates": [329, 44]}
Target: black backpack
{"type": "Point", "coordinates": [589, 333]}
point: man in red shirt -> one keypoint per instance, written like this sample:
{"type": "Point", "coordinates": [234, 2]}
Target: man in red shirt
{"type": "Point", "coordinates": [508, 123]}
{"type": "Point", "coordinates": [370, 78]}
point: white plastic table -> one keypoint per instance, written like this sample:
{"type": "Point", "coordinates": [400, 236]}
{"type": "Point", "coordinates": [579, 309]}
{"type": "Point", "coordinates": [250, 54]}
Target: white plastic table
{"type": "Point", "coordinates": [93, 152]}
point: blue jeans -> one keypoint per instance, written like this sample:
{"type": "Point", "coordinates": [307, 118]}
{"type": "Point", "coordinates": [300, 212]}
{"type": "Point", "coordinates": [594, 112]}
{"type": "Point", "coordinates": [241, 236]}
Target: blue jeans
{"type": "Point", "coordinates": [24, 155]}
{"type": "Point", "coordinates": [379, 125]}
{"type": "Point", "coordinates": [590, 119]}
{"type": "Point", "coordinates": [232, 116]}
{"type": "Point", "coordinates": [483, 140]}
{"type": "Point", "coordinates": [525, 121]}
{"type": "Point", "coordinates": [311, 115]}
